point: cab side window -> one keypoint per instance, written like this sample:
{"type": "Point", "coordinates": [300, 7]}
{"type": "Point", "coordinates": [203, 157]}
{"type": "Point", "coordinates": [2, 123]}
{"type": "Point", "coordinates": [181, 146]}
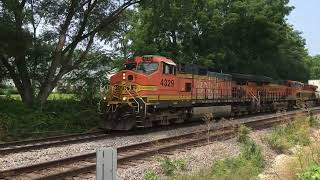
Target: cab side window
{"type": "Point", "coordinates": [188, 87]}
{"type": "Point", "coordinates": [168, 69]}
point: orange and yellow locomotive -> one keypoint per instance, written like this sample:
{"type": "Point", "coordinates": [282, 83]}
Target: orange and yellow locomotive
{"type": "Point", "coordinates": [154, 90]}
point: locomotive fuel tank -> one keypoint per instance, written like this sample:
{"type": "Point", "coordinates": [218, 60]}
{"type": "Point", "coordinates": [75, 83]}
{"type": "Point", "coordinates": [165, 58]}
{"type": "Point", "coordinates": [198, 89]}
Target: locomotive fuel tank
{"type": "Point", "coordinates": [216, 111]}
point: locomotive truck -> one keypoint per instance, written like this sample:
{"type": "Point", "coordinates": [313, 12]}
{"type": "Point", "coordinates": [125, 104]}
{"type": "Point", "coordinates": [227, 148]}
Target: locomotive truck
{"type": "Point", "coordinates": [154, 90]}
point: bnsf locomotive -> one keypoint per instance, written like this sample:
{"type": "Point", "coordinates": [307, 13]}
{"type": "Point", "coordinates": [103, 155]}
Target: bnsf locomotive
{"type": "Point", "coordinates": [154, 90]}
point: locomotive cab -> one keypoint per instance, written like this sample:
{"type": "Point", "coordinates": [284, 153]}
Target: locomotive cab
{"type": "Point", "coordinates": [135, 88]}
{"type": "Point", "coordinates": [142, 76]}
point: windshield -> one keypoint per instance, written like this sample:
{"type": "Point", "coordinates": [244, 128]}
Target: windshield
{"type": "Point", "coordinates": [131, 66]}
{"type": "Point", "coordinates": [147, 67]}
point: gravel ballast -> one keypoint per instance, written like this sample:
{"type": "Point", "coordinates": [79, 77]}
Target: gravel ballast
{"type": "Point", "coordinates": [197, 158]}
{"type": "Point", "coordinates": [42, 155]}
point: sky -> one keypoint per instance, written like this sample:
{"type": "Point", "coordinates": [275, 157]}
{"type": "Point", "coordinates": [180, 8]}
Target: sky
{"type": "Point", "coordinates": [306, 18]}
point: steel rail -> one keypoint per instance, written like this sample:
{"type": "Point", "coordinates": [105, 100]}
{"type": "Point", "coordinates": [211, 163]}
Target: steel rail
{"type": "Point", "coordinates": [53, 138]}
{"type": "Point", "coordinates": [20, 146]}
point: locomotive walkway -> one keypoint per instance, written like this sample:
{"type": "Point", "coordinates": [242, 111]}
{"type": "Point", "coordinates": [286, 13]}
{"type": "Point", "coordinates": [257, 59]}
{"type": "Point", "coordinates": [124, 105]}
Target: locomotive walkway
{"type": "Point", "coordinates": [73, 166]}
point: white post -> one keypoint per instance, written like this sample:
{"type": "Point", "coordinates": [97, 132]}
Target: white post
{"type": "Point", "coordinates": [106, 164]}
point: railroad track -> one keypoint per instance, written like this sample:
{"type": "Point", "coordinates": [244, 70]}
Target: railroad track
{"type": "Point", "coordinates": [73, 166]}
{"type": "Point", "coordinates": [42, 143]}
{"type": "Point", "coordinates": [27, 145]}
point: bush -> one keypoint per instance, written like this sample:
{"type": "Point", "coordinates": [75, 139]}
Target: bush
{"type": "Point", "coordinates": [62, 116]}
{"type": "Point", "coordinates": [284, 137]}
{"type": "Point", "coordinates": [312, 173]}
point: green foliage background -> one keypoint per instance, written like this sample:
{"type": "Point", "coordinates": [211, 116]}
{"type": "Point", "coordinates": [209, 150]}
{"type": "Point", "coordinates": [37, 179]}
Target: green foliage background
{"type": "Point", "coordinates": [243, 36]}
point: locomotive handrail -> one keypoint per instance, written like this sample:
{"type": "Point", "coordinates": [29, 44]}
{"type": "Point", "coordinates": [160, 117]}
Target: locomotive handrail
{"type": "Point", "coordinates": [134, 99]}
{"type": "Point", "coordinates": [145, 104]}
{"type": "Point", "coordinates": [257, 99]}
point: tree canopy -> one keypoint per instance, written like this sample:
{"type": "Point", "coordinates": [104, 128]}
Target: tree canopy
{"type": "Point", "coordinates": [42, 41]}
{"type": "Point", "coordinates": [243, 36]}
{"type": "Point", "coordinates": [314, 63]}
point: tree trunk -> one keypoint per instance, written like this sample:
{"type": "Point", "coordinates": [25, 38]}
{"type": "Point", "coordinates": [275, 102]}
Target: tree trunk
{"type": "Point", "coordinates": [27, 98]}
{"type": "Point", "coordinates": [24, 88]}
{"type": "Point", "coordinates": [43, 96]}
{"type": "Point", "coordinates": [48, 86]}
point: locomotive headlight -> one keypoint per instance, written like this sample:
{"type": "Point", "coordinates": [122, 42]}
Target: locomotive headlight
{"type": "Point", "coordinates": [104, 98]}
{"type": "Point", "coordinates": [123, 76]}
{"type": "Point", "coordinates": [124, 98]}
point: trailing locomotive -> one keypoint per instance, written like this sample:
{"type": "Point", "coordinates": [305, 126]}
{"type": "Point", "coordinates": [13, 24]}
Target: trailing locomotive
{"type": "Point", "coordinates": [154, 90]}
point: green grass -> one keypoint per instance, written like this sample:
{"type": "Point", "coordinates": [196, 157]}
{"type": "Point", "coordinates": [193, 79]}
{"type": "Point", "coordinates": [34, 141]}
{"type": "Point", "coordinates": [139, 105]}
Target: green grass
{"type": "Point", "coordinates": [284, 137]}
{"type": "Point", "coordinates": [62, 114]}
{"type": "Point", "coordinates": [312, 173]}
{"type": "Point", "coordinates": [53, 96]}
{"type": "Point", "coordinates": [247, 165]}
{"type": "Point", "coordinates": [8, 90]}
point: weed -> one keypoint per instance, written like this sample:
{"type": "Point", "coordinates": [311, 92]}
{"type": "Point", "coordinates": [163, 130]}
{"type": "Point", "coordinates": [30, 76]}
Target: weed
{"type": "Point", "coordinates": [150, 175]}
{"type": "Point", "coordinates": [207, 118]}
{"type": "Point", "coordinates": [169, 167]}
{"type": "Point", "coordinates": [312, 173]}
{"type": "Point", "coordinates": [243, 134]}
{"type": "Point", "coordinates": [247, 165]}
{"type": "Point", "coordinates": [284, 137]}
{"type": "Point", "coordinates": [181, 164]}
{"type": "Point", "coordinates": [314, 121]}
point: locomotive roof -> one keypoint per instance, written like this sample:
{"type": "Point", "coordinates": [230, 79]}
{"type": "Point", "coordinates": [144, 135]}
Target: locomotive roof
{"type": "Point", "coordinates": [156, 58]}
{"type": "Point", "coordinates": [250, 77]}
{"type": "Point", "coordinates": [153, 58]}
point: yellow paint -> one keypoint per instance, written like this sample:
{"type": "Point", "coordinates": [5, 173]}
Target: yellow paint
{"type": "Point", "coordinates": [189, 76]}
{"type": "Point", "coordinates": [124, 87]}
{"type": "Point", "coordinates": [146, 88]}
{"type": "Point", "coordinates": [166, 97]}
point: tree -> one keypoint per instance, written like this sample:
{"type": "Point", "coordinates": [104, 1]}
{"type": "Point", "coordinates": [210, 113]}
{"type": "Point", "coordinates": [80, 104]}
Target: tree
{"type": "Point", "coordinates": [3, 73]}
{"type": "Point", "coordinates": [54, 36]}
{"type": "Point", "coordinates": [234, 36]}
{"type": "Point", "coordinates": [91, 77]}
{"type": "Point", "coordinates": [314, 64]}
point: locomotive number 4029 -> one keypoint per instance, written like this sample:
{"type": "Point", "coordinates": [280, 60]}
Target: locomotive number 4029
{"type": "Point", "coordinates": [167, 83]}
